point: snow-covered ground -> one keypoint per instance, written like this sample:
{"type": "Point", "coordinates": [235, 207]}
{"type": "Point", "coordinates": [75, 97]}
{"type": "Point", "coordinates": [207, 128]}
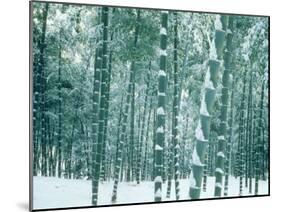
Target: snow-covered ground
{"type": "Point", "coordinates": [50, 192]}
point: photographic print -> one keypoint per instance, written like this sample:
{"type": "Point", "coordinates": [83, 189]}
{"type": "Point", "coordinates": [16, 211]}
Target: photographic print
{"type": "Point", "coordinates": [139, 105]}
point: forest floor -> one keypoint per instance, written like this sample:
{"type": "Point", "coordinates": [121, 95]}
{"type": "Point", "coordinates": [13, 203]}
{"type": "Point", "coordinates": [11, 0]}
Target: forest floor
{"type": "Point", "coordinates": [51, 192]}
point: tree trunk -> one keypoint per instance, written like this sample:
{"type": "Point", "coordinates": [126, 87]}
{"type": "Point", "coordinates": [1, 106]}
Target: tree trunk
{"type": "Point", "coordinates": [60, 113]}
{"type": "Point", "coordinates": [229, 144]}
{"type": "Point", "coordinates": [241, 137]}
{"type": "Point", "coordinates": [107, 101]}
{"type": "Point", "coordinates": [160, 119]}
{"type": "Point", "coordinates": [130, 94]}
{"type": "Point", "coordinates": [259, 143]}
{"type": "Point", "coordinates": [138, 177]}
{"type": "Point", "coordinates": [42, 98]}
{"type": "Point", "coordinates": [203, 128]}
{"type": "Point", "coordinates": [223, 116]}
{"type": "Point", "coordinates": [100, 137]}
{"type": "Point", "coordinates": [175, 136]}
{"type": "Point", "coordinates": [144, 169]}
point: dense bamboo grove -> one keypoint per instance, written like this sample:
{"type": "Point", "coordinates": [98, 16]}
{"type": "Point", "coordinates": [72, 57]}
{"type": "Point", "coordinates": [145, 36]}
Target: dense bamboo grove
{"type": "Point", "coordinates": [134, 95]}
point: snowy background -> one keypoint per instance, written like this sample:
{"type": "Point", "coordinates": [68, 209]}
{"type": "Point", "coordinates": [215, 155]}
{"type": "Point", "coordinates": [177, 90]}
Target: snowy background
{"type": "Point", "coordinates": [75, 193]}
{"type": "Point", "coordinates": [14, 104]}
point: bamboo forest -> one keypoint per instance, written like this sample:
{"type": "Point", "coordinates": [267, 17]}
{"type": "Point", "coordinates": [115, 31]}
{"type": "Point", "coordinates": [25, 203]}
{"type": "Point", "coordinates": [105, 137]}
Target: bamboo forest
{"type": "Point", "coordinates": [133, 105]}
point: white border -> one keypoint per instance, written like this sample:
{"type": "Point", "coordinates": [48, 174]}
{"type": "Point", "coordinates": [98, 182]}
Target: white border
{"type": "Point", "coordinates": [14, 92]}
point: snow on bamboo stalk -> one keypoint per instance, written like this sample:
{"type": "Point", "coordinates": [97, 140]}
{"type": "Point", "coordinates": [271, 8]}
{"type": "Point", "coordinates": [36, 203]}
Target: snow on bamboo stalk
{"type": "Point", "coordinates": [219, 172]}
{"type": "Point", "coordinates": [208, 99]}
{"type": "Point", "coordinates": [175, 136]}
{"type": "Point", "coordinates": [160, 119]}
{"type": "Point", "coordinates": [100, 136]}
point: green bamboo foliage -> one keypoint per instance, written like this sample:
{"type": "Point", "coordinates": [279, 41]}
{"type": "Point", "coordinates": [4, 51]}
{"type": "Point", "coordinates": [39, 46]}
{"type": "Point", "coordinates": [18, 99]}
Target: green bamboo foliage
{"type": "Point", "coordinates": [224, 99]}
{"type": "Point", "coordinates": [203, 128]}
{"type": "Point", "coordinates": [101, 107]}
{"type": "Point", "coordinates": [160, 119]}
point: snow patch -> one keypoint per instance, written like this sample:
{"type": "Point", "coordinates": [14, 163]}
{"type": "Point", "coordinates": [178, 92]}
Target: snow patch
{"type": "Point", "coordinates": [158, 193]}
{"type": "Point", "coordinates": [208, 82]}
{"type": "Point", "coordinates": [203, 108]}
{"type": "Point", "coordinates": [221, 137]}
{"type": "Point", "coordinates": [219, 170]}
{"type": "Point", "coordinates": [160, 130]}
{"type": "Point", "coordinates": [195, 158]}
{"type": "Point", "coordinates": [158, 179]}
{"type": "Point", "coordinates": [177, 146]}
{"type": "Point", "coordinates": [219, 185]}
{"type": "Point", "coordinates": [160, 111]}
{"type": "Point", "coordinates": [163, 52]}
{"type": "Point", "coordinates": [199, 133]}
{"type": "Point", "coordinates": [213, 50]}
{"type": "Point", "coordinates": [157, 147]}
{"type": "Point", "coordinates": [163, 31]}
{"type": "Point", "coordinates": [192, 181]}
{"type": "Point", "coordinates": [218, 24]}
{"type": "Point", "coordinates": [75, 193]}
{"type": "Point", "coordinates": [161, 94]}
{"type": "Point", "coordinates": [220, 154]}
{"type": "Point", "coordinates": [161, 73]}
{"type": "Point", "coordinates": [228, 31]}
